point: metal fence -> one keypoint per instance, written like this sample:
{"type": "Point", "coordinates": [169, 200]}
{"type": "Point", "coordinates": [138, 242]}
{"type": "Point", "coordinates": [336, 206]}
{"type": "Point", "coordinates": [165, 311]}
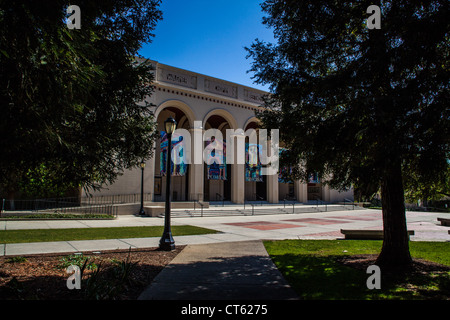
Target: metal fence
{"type": "Point", "coordinates": [135, 198]}
{"type": "Point", "coordinates": [107, 205]}
{"type": "Point", "coordinates": [104, 209]}
{"type": "Point", "coordinates": [38, 204]}
{"type": "Point", "coordinates": [70, 205]}
{"type": "Point", "coordinates": [116, 199]}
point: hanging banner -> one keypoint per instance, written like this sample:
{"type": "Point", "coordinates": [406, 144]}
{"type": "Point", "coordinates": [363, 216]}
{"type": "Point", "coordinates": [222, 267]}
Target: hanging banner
{"type": "Point", "coordinates": [253, 167]}
{"type": "Point", "coordinates": [314, 178]}
{"type": "Point", "coordinates": [216, 159]}
{"type": "Point", "coordinates": [178, 165]}
{"type": "Point", "coordinates": [284, 172]}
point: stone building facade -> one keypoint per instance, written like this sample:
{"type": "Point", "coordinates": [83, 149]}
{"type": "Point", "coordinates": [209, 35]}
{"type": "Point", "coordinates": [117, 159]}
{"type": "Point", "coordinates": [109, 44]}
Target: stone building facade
{"type": "Point", "coordinates": [198, 103]}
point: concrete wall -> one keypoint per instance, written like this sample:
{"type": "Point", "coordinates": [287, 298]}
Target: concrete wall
{"type": "Point", "coordinates": [336, 196]}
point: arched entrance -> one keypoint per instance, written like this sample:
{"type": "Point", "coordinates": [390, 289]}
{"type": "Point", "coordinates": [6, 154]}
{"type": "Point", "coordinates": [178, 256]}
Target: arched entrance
{"type": "Point", "coordinates": [286, 186]}
{"type": "Point", "coordinates": [315, 191]}
{"type": "Point", "coordinates": [180, 169]}
{"type": "Point", "coordinates": [218, 177]}
{"type": "Point", "coordinates": [255, 181]}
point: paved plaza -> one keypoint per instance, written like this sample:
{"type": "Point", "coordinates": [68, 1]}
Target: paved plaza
{"type": "Point", "coordinates": [314, 225]}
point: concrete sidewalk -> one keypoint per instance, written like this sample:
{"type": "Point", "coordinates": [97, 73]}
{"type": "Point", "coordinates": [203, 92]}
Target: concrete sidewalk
{"type": "Point", "coordinates": [220, 271]}
{"type": "Point", "coordinates": [318, 225]}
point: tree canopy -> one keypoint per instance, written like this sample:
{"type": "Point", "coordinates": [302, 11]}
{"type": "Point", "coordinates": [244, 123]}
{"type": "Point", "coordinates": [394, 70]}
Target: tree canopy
{"type": "Point", "coordinates": [73, 100]}
{"type": "Point", "coordinates": [360, 106]}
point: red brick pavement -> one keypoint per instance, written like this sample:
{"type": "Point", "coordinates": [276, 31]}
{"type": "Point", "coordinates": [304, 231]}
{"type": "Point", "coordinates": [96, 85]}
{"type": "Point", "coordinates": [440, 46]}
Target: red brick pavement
{"type": "Point", "coordinates": [264, 225]}
{"type": "Point", "coordinates": [318, 221]}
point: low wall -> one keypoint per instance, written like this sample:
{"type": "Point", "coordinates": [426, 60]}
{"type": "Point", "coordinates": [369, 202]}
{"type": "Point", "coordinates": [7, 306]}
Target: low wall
{"type": "Point", "coordinates": [153, 209]}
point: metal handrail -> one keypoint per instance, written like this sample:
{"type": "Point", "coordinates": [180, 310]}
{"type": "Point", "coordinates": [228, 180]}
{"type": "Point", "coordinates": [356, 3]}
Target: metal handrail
{"type": "Point", "coordinates": [322, 202]}
{"type": "Point", "coordinates": [221, 197]}
{"type": "Point", "coordinates": [257, 196]}
{"type": "Point", "coordinates": [352, 202]}
{"type": "Point", "coordinates": [253, 208]}
{"type": "Point", "coordinates": [201, 206]}
{"type": "Point", "coordinates": [284, 202]}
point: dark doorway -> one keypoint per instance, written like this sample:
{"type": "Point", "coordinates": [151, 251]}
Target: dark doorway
{"type": "Point", "coordinates": [227, 184]}
{"type": "Point", "coordinates": [261, 189]}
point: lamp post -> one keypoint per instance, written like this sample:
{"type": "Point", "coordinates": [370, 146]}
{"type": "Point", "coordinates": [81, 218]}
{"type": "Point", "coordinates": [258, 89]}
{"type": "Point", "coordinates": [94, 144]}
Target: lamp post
{"type": "Point", "coordinates": [141, 211]}
{"type": "Point", "coordinates": [167, 243]}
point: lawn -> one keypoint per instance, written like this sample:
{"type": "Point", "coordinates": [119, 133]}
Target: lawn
{"type": "Point", "coordinates": [336, 269]}
{"type": "Point", "coordinates": [42, 235]}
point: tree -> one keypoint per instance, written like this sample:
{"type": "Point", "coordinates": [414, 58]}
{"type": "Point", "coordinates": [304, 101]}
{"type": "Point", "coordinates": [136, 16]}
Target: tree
{"type": "Point", "coordinates": [74, 100]}
{"type": "Point", "coordinates": [418, 189]}
{"type": "Point", "coordinates": [43, 183]}
{"type": "Point", "coordinates": [357, 105]}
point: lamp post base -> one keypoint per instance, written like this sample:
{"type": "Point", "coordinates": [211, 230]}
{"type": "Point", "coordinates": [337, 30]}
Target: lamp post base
{"type": "Point", "coordinates": [167, 243]}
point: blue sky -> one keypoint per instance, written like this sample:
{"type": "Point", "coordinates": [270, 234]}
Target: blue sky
{"type": "Point", "coordinates": [209, 37]}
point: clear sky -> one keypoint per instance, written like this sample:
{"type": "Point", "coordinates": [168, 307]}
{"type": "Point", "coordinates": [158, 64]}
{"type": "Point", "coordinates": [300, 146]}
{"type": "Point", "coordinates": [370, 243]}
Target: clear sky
{"type": "Point", "coordinates": [209, 37]}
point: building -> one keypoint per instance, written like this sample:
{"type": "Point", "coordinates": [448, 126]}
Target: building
{"type": "Point", "coordinates": [198, 103]}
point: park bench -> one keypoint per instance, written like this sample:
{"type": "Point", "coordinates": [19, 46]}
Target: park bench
{"type": "Point", "coordinates": [444, 221]}
{"type": "Point", "coordinates": [367, 234]}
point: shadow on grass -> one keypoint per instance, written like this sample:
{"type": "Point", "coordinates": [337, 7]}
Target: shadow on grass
{"type": "Point", "coordinates": [315, 277]}
{"type": "Point", "coordinates": [337, 277]}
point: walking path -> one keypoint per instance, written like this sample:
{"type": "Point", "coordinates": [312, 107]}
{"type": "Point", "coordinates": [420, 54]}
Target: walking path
{"type": "Point", "coordinates": [232, 264]}
{"type": "Point", "coordinates": [221, 271]}
{"type": "Point", "coordinates": [319, 225]}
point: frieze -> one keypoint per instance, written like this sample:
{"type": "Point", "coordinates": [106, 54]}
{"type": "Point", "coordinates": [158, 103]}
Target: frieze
{"type": "Point", "coordinates": [252, 96]}
{"type": "Point", "coordinates": [220, 88]}
{"type": "Point", "coordinates": [177, 78]}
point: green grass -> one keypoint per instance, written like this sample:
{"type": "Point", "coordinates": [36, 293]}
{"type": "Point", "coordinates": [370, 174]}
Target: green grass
{"type": "Point", "coordinates": [313, 270]}
{"type": "Point", "coordinates": [42, 235]}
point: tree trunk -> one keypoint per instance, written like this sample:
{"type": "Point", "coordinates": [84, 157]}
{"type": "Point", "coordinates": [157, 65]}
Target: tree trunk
{"type": "Point", "coordinates": [395, 249]}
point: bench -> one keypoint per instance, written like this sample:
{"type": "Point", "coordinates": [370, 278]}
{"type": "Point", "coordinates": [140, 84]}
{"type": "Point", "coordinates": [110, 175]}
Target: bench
{"type": "Point", "coordinates": [367, 234]}
{"type": "Point", "coordinates": [444, 221]}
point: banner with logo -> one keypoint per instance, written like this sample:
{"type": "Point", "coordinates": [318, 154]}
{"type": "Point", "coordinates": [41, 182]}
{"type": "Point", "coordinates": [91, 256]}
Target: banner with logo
{"type": "Point", "coordinates": [216, 159]}
{"type": "Point", "coordinates": [253, 167]}
{"type": "Point", "coordinates": [178, 165]}
{"type": "Point", "coordinates": [284, 172]}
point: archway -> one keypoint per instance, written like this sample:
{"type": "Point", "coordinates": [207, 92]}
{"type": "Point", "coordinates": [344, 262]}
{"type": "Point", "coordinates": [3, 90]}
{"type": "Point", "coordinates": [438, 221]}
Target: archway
{"type": "Point", "coordinates": [255, 181]}
{"type": "Point", "coordinates": [218, 177]}
{"type": "Point", "coordinates": [315, 188]}
{"type": "Point", "coordinates": [287, 188]}
{"type": "Point", "coordinates": [180, 169]}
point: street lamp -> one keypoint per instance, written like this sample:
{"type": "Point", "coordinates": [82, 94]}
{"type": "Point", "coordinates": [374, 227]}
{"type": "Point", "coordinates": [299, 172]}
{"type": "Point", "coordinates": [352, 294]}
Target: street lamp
{"type": "Point", "coordinates": [141, 211]}
{"type": "Point", "coordinates": [167, 243]}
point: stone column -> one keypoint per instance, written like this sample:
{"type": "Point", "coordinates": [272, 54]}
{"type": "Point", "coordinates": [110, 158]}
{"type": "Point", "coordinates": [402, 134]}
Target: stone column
{"type": "Point", "coordinates": [301, 191]}
{"type": "Point", "coordinates": [149, 174]}
{"type": "Point", "coordinates": [237, 171]}
{"type": "Point", "coordinates": [272, 188]}
{"type": "Point", "coordinates": [326, 193]}
{"type": "Point", "coordinates": [271, 173]}
{"type": "Point", "coordinates": [196, 169]}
